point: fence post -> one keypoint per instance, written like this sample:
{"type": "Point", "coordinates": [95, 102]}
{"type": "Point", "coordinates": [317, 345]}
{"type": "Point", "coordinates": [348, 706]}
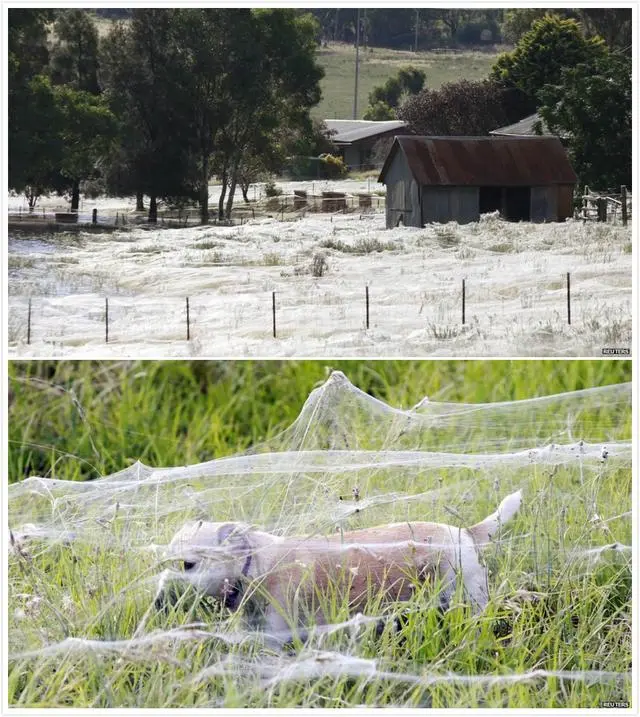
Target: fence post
{"type": "Point", "coordinates": [623, 192]}
{"type": "Point", "coordinates": [273, 309]}
{"type": "Point", "coordinates": [29, 323]}
{"type": "Point", "coordinates": [569, 298]}
{"type": "Point", "coordinates": [106, 320]}
{"type": "Point", "coordinates": [366, 294]}
{"type": "Point", "coordinates": [94, 216]}
{"type": "Point", "coordinates": [601, 203]}
{"type": "Point", "coordinates": [463, 301]}
{"type": "Point", "coordinates": [188, 331]}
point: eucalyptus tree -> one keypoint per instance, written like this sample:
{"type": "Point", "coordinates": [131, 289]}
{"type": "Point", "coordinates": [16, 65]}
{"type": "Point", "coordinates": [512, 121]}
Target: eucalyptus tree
{"type": "Point", "coordinates": [33, 144]}
{"type": "Point", "coordinates": [74, 54]}
{"type": "Point", "coordinates": [139, 64]}
{"type": "Point", "coordinates": [279, 82]}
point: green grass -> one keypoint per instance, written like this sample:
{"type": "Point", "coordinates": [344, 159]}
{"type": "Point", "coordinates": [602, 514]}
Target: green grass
{"type": "Point", "coordinates": [378, 64]}
{"type": "Point", "coordinates": [77, 421]}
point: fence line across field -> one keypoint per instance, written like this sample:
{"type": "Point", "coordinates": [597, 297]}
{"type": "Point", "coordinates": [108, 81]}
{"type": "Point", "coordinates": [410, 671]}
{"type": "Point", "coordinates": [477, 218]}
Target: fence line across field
{"type": "Point", "coordinates": [274, 305]}
{"type": "Point", "coordinates": [299, 203]}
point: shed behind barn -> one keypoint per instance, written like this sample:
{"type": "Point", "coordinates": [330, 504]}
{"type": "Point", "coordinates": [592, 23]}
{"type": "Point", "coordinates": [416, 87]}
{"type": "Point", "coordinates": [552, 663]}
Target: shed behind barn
{"type": "Point", "coordinates": [442, 179]}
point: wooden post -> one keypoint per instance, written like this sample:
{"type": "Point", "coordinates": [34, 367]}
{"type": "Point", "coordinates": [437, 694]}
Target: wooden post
{"type": "Point", "coordinates": [94, 216]}
{"type": "Point", "coordinates": [29, 323]}
{"type": "Point", "coordinates": [106, 320]}
{"type": "Point", "coordinates": [601, 203]}
{"type": "Point", "coordinates": [273, 309]}
{"type": "Point", "coordinates": [188, 331]}
{"type": "Point", "coordinates": [366, 294]}
{"type": "Point", "coordinates": [623, 192]}
{"type": "Point", "coordinates": [463, 301]}
{"type": "Point", "coordinates": [569, 298]}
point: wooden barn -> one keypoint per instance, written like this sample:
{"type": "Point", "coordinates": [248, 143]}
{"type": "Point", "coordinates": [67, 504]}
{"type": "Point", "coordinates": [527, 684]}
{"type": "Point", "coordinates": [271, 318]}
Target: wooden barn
{"type": "Point", "coordinates": [455, 179]}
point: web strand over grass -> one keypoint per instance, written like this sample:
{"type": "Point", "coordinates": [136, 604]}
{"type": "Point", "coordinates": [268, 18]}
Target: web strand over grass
{"type": "Point", "coordinates": [94, 551]}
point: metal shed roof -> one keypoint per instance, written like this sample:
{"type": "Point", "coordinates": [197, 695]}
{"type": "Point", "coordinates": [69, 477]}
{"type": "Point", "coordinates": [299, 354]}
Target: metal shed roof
{"type": "Point", "coordinates": [526, 128]}
{"type": "Point", "coordinates": [483, 161]}
{"type": "Point", "coordinates": [348, 131]}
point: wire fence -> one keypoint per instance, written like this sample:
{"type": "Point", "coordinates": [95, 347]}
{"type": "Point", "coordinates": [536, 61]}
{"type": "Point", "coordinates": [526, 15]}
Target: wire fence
{"type": "Point", "coordinates": [282, 206]}
{"type": "Point", "coordinates": [288, 312]}
{"type": "Point", "coordinates": [611, 207]}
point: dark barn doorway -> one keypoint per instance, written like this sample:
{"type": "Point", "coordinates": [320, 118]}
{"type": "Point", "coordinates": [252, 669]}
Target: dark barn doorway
{"type": "Point", "coordinates": [490, 199]}
{"type": "Point", "coordinates": [517, 204]}
{"type": "Point", "coordinates": [513, 203]}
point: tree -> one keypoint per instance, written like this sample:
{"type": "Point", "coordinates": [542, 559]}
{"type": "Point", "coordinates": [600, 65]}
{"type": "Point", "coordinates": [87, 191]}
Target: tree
{"type": "Point", "coordinates": [33, 143]}
{"type": "Point", "coordinates": [551, 45]}
{"type": "Point", "coordinates": [272, 86]}
{"type": "Point", "coordinates": [140, 65]}
{"type": "Point", "coordinates": [384, 99]}
{"type": "Point", "coordinates": [453, 19]}
{"type": "Point", "coordinates": [27, 44]}
{"type": "Point", "coordinates": [35, 139]}
{"type": "Point", "coordinates": [379, 111]}
{"type": "Point", "coordinates": [463, 108]}
{"type": "Point", "coordinates": [87, 130]}
{"type": "Point", "coordinates": [74, 57]}
{"type": "Point", "coordinates": [517, 22]}
{"type": "Point", "coordinates": [613, 25]}
{"type": "Point", "coordinates": [389, 93]}
{"type": "Point", "coordinates": [592, 105]}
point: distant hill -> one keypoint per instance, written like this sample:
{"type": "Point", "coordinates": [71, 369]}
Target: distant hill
{"type": "Point", "coordinates": [378, 64]}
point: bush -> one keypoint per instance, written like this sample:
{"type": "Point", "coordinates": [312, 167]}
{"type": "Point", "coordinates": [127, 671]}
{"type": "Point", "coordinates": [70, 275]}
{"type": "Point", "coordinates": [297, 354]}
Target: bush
{"type": "Point", "coordinates": [332, 167]}
{"type": "Point", "coordinates": [271, 189]}
{"type": "Point", "coordinates": [379, 111]}
{"type": "Point", "coordinates": [319, 265]}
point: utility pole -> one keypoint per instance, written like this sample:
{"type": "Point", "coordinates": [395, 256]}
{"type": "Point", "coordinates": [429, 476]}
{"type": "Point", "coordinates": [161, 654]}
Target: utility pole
{"type": "Point", "coordinates": [355, 94]}
{"type": "Point", "coordinates": [415, 44]}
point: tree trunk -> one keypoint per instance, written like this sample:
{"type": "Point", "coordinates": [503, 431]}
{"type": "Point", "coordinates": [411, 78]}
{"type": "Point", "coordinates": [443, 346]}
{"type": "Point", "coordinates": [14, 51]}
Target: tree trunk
{"type": "Point", "coordinates": [153, 209]}
{"type": "Point", "coordinates": [75, 195]}
{"type": "Point", "coordinates": [232, 191]}
{"type": "Point", "coordinates": [139, 202]}
{"type": "Point", "coordinates": [244, 186]}
{"type": "Point", "coordinates": [223, 192]}
{"type": "Point", "coordinates": [204, 191]}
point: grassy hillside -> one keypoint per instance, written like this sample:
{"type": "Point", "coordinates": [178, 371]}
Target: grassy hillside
{"type": "Point", "coordinates": [377, 64]}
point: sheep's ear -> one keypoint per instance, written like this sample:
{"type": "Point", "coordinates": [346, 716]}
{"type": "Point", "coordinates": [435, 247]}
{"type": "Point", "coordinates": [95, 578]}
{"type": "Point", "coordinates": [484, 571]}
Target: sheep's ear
{"type": "Point", "coordinates": [233, 535]}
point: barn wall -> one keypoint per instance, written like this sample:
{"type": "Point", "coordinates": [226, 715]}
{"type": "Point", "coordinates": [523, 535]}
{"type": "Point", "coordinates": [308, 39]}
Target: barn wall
{"type": "Point", "coordinates": [352, 156]}
{"type": "Point", "coordinates": [564, 193]}
{"type": "Point", "coordinates": [544, 204]}
{"type": "Point", "coordinates": [400, 194]}
{"type": "Point", "coordinates": [450, 204]}
{"type": "Point", "coordinates": [465, 204]}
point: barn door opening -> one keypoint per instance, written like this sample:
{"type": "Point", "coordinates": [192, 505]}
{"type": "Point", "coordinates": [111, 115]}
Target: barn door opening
{"type": "Point", "coordinates": [490, 199]}
{"type": "Point", "coordinates": [517, 201]}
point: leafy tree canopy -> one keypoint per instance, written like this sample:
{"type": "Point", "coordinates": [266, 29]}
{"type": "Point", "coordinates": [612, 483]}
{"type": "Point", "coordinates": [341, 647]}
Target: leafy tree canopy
{"type": "Point", "coordinates": [592, 104]}
{"type": "Point", "coordinates": [464, 108]}
{"type": "Point", "coordinates": [551, 45]}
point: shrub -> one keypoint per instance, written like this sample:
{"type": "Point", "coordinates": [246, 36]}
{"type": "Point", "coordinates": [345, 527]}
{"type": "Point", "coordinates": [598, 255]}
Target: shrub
{"type": "Point", "coordinates": [319, 265]}
{"type": "Point", "coordinates": [332, 167]}
{"type": "Point", "coordinates": [271, 189]}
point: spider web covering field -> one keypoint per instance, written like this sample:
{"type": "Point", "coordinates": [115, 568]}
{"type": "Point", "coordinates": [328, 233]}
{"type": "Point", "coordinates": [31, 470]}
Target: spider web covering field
{"type": "Point", "coordinates": [86, 559]}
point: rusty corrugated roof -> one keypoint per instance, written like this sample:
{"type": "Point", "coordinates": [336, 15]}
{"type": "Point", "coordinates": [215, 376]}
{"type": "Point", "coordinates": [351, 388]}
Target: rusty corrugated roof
{"type": "Point", "coordinates": [483, 161]}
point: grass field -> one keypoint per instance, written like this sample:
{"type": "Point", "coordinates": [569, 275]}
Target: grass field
{"type": "Point", "coordinates": [557, 632]}
{"type": "Point", "coordinates": [377, 64]}
{"type": "Point", "coordinates": [514, 273]}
